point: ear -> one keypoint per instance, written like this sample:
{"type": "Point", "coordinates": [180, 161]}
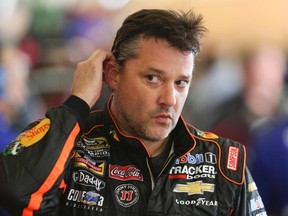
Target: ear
{"type": "Point", "coordinates": [111, 74]}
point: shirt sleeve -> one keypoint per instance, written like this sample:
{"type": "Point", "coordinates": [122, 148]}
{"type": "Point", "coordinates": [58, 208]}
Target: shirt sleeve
{"type": "Point", "coordinates": [33, 166]}
{"type": "Point", "coordinates": [249, 202]}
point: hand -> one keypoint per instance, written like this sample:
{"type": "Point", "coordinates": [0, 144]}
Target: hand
{"type": "Point", "coordinates": [88, 77]}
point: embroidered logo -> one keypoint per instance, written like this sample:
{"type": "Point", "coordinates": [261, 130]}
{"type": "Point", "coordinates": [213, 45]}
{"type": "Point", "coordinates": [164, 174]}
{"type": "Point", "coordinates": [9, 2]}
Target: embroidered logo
{"type": "Point", "coordinates": [252, 187]}
{"type": "Point", "coordinates": [127, 195]}
{"type": "Point", "coordinates": [97, 167]}
{"type": "Point", "coordinates": [28, 138]}
{"type": "Point", "coordinates": [95, 147]}
{"type": "Point", "coordinates": [233, 157]}
{"type": "Point", "coordinates": [192, 188]}
{"type": "Point", "coordinates": [36, 133]}
{"type": "Point", "coordinates": [124, 173]}
{"type": "Point", "coordinates": [206, 135]}
{"type": "Point", "coordinates": [86, 178]}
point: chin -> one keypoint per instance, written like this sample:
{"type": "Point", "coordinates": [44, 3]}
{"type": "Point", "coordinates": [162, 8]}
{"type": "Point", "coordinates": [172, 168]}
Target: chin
{"type": "Point", "coordinates": [160, 137]}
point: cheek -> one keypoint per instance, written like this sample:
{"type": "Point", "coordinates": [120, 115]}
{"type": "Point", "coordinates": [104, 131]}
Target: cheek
{"type": "Point", "coordinates": [133, 96]}
{"type": "Point", "coordinates": [180, 103]}
{"type": "Point", "coordinates": [181, 98]}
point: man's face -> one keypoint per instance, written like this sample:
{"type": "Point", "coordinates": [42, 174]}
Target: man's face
{"type": "Point", "coordinates": [151, 91]}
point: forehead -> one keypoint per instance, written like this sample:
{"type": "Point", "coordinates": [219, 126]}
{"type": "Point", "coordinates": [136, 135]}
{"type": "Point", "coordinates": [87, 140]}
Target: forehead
{"type": "Point", "coordinates": [159, 50]}
{"type": "Point", "coordinates": [160, 55]}
{"type": "Point", "coordinates": [150, 42]}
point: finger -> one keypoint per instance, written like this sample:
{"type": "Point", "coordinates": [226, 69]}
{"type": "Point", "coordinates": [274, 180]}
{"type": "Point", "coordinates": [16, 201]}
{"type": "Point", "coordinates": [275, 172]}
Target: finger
{"type": "Point", "coordinates": [100, 55]}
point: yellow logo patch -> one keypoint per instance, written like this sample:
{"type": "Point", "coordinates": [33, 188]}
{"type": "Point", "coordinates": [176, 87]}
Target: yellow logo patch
{"type": "Point", "coordinates": [36, 133]}
{"type": "Point", "coordinates": [192, 188]}
{"type": "Point", "coordinates": [97, 167]}
{"type": "Point", "coordinates": [252, 187]}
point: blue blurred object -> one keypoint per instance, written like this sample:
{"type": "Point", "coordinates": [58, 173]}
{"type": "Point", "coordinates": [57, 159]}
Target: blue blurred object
{"type": "Point", "coordinates": [2, 78]}
{"type": "Point", "coordinates": [7, 134]}
{"type": "Point", "coordinates": [269, 165]}
{"type": "Point", "coordinates": [3, 213]}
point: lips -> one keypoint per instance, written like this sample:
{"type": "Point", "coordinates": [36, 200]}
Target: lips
{"type": "Point", "coordinates": [168, 116]}
{"type": "Point", "coordinates": [164, 118]}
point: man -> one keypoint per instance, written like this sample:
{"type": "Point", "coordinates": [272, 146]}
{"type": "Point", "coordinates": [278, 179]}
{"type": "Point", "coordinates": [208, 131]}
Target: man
{"type": "Point", "coordinates": [138, 156]}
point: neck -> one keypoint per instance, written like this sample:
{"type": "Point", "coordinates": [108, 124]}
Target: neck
{"type": "Point", "coordinates": [155, 148]}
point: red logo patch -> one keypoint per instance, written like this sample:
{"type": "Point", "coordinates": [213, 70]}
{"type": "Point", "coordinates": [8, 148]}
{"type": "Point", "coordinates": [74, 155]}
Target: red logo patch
{"type": "Point", "coordinates": [233, 157]}
{"type": "Point", "coordinates": [124, 173]}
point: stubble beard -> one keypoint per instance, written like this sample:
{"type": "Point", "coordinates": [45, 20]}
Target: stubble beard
{"type": "Point", "coordinates": [141, 129]}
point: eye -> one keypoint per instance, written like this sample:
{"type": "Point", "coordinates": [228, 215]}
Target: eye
{"type": "Point", "coordinates": [182, 83]}
{"type": "Point", "coordinates": [153, 79]}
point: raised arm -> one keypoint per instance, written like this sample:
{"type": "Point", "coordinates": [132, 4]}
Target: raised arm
{"type": "Point", "coordinates": [33, 166]}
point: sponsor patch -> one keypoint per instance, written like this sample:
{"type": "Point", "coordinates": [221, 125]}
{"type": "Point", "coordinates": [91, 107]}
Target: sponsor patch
{"type": "Point", "coordinates": [252, 187]}
{"type": "Point", "coordinates": [127, 195]}
{"type": "Point", "coordinates": [197, 202]}
{"type": "Point", "coordinates": [233, 157]}
{"type": "Point", "coordinates": [28, 138]}
{"type": "Point", "coordinates": [97, 167]}
{"type": "Point", "coordinates": [256, 204]}
{"type": "Point", "coordinates": [85, 199]}
{"type": "Point", "coordinates": [113, 133]}
{"type": "Point", "coordinates": [91, 198]}
{"type": "Point", "coordinates": [36, 133]}
{"type": "Point", "coordinates": [94, 147]}
{"type": "Point", "coordinates": [189, 158]}
{"type": "Point", "coordinates": [125, 173]}
{"type": "Point", "coordinates": [206, 135]}
{"type": "Point", "coordinates": [86, 178]}
{"type": "Point", "coordinates": [191, 188]}
{"type": "Point", "coordinates": [192, 172]}
{"type": "Point", "coordinates": [14, 148]}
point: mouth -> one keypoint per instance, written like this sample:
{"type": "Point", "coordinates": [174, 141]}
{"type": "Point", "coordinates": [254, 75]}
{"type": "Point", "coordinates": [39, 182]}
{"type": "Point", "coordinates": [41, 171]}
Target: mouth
{"type": "Point", "coordinates": [164, 118]}
{"type": "Point", "coordinates": [165, 115]}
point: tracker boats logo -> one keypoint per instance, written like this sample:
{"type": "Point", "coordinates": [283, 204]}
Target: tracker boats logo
{"type": "Point", "coordinates": [191, 172]}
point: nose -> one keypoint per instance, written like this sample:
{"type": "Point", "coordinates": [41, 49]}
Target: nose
{"type": "Point", "coordinates": [168, 96]}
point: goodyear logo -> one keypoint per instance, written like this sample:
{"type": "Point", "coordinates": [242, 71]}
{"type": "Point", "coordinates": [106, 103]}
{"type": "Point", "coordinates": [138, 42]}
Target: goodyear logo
{"type": "Point", "coordinates": [192, 188]}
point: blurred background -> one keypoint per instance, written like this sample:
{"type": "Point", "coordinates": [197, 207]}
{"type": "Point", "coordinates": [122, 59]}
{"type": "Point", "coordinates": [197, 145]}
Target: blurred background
{"type": "Point", "coordinates": [240, 80]}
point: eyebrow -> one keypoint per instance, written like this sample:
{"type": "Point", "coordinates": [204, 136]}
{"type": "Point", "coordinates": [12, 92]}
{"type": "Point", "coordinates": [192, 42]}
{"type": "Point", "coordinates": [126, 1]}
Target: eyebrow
{"type": "Point", "coordinates": [158, 71]}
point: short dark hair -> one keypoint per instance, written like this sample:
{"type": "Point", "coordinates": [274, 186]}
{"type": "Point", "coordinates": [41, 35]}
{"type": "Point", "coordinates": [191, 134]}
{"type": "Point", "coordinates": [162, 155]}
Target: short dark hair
{"type": "Point", "coordinates": [182, 30]}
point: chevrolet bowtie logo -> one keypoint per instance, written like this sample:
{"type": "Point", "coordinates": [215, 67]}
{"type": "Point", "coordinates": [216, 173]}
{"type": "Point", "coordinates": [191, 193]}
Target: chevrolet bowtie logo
{"type": "Point", "coordinates": [197, 187]}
